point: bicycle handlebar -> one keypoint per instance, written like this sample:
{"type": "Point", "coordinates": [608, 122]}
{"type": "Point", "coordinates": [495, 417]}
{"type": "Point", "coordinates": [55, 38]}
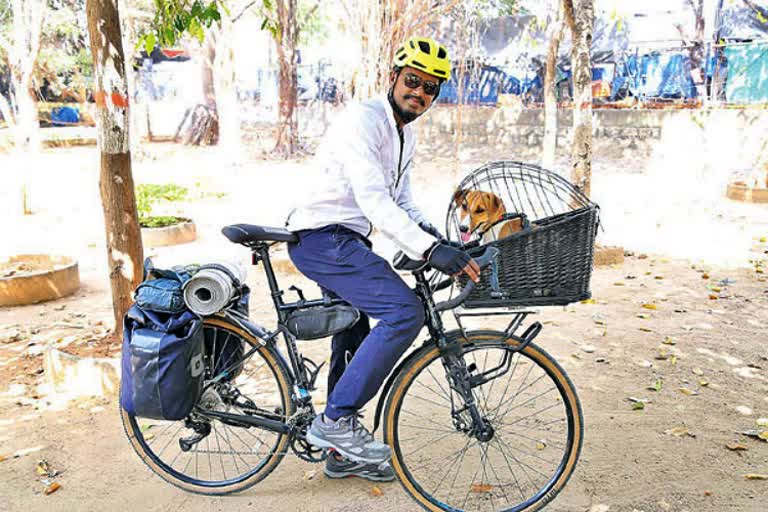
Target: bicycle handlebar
{"type": "Point", "coordinates": [403, 262]}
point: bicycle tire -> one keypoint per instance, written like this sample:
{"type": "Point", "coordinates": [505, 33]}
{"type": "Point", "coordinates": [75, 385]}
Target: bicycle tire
{"type": "Point", "coordinates": [283, 379]}
{"type": "Point", "coordinates": [430, 353]}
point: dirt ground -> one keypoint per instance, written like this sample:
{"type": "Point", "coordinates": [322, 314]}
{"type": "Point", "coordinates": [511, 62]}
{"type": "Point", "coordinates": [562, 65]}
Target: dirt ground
{"type": "Point", "coordinates": [697, 357]}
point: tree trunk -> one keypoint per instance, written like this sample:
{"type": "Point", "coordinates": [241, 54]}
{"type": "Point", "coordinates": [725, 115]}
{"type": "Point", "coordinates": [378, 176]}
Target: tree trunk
{"type": "Point", "coordinates": [227, 108]}
{"type": "Point", "coordinates": [549, 149]}
{"type": "Point", "coordinates": [287, 138]}
{"type": "Point", "coordinates": [123, 236]}
{"type": "Point", "coordinates": [581, 153]}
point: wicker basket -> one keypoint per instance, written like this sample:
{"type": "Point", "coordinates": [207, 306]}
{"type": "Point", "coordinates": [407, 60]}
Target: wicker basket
{"type": "Point", "coordinates": [547, 261]}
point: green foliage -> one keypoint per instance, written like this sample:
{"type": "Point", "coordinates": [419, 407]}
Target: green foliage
{"type": "Point", "coordinates": [147, 195]}
{"type": "Point", "coordinates": [160, 221]}
{"type": "Point", "coordinates": [175, 18]}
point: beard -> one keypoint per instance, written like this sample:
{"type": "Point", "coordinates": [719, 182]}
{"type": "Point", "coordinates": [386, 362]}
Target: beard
{"type": "Point", "coordinates": [406, 115]}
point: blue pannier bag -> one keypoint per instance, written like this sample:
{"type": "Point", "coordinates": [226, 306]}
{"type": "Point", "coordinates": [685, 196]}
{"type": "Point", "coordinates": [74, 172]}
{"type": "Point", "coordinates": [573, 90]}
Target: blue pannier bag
{"type": "Point", "coordinates": [161, 290]}
{"type": "Point", "coordinates": [162, 364]}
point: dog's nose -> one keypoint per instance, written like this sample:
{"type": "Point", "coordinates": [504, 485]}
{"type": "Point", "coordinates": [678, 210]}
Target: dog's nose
{"type": "Point", "coordinates": [463, 229]}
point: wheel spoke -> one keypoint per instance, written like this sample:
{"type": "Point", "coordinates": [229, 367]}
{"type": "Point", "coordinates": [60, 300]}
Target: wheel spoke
{"type": "Point", "coordinates": [462, 472]}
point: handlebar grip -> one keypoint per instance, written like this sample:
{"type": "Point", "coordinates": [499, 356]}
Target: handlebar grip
{"type": "Point", "coordinates": [485, 259]}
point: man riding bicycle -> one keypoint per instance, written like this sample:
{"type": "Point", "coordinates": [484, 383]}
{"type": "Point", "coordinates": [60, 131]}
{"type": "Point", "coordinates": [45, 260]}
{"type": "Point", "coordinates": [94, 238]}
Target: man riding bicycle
{"type": "Point", "coordinates": [365, 163]}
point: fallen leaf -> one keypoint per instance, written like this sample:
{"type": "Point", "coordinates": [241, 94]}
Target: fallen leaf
{"type": "Point", "coordinates": [649, 306]}
{"type": "Point", "coordinates": [541, 444]}
{"type": "Point", "coordinates": [679, 432]}
{"type": "Point", "coordinates": [638, 406]}
{"type": "Point", "coordinates": [662, 355]}
{"type": "Point", "coordinates": [645, 329]}
{"type": "Point", "coordinates": [648, 273]}
{"type": "Point", "coordinates": [762, 422]}
{"type": "Point", "coordinates": [715, 289]}
{"type": "Point", "coordinates": [712, 297]}
{"type": "Point", "coordinates": [55, 486]}
{"type": "Point", "coordinates": [4, 457]}
{"type": "Point", "coordinates": [599, 321]}
{"type": "Point", "coordinates": [618, 283]}
{"type": "Point", "coordinates": [601, 360]}
{"type": "Point", "coordinates": [309, 475]}
{"type": "Point", "coordinates": [736, 447]}
{"type": "Point", "coordinates": [644, 316]}
{"type": "Point", "coordinates": [481, 488]}
{"type": "Point", "coordinates": [703, 383]}
{"type": "Point", "coordinates": [755, 476]}
{"type": "Point", "coordinates": [656, 386]}
{"type": "Point", "coordinates": [588, 301]}
{"type": "Point", "coordinates": [376, 491]}
{"type": "Point", "coordinates": [673, 360]}
{"type": "Point", "coordinates": [757, 434]}
{"type": "Point", "coordinates": [707, 493]}
{"type": "Point", "coordinates": [659, 278]}
{"type": "Point", "coordinates": [697, 371]}
{"type": "Point", "coordinates": [705, 276]}
{"type": "Point", "coordinates": [687, 391]}
{"type": "Point", "coordinates": [42, 468]}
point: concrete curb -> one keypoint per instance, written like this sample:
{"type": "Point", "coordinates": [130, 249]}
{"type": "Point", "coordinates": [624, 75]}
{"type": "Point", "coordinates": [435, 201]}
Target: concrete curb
{"type": "Point", "coordinates": [40, 286]}
{"type": "Point", "coordinates": [745, 194]}
{"type": "Point", "coordinates": [171, 235]}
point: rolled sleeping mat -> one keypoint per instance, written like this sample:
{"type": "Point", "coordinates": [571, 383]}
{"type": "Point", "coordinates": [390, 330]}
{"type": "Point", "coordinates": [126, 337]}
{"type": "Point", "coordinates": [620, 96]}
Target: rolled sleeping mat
{"type": "Point", "coordinates": [212, 287]}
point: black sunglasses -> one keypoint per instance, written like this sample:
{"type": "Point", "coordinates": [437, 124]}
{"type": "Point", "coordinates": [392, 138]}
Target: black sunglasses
{"type": "Point", "coordinates": [414, 81]}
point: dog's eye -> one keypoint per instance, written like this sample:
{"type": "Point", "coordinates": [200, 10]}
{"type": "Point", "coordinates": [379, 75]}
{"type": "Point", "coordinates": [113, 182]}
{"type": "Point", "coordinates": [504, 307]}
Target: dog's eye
{"type": "Point", "coordinates": [464, 206]}
{"type": "Point", "coordinates": [480, 210]}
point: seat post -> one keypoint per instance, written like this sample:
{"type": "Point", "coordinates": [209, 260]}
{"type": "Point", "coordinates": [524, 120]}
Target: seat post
{"type": "Point", "coordinates": [261, 253]}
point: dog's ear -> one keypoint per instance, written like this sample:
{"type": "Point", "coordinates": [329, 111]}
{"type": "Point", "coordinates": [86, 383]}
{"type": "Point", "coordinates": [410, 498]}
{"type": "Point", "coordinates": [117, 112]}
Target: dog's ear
{"type": "Point", "coordinates": [458, 196]}
{"type": "Point", "coordinates": [496, 201]}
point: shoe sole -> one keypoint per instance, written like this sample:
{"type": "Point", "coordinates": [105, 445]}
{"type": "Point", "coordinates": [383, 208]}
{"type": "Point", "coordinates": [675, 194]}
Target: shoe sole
{"type": "Point", "coordinates": [322, 443]}
{"type": "Point", "coordinates": [332, 474]}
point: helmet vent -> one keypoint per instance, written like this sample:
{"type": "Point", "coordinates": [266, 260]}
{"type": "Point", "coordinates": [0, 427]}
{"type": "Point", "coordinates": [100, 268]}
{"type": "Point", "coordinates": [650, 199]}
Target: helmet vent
{"type": "Point", "coordinates": [412, 45]}
{"type": "Point", "coordinates": [424, 46]}
{"type": "Point", "coordinates": [441, 53]}
{"type": "Point", "coordinates": [418, 64]}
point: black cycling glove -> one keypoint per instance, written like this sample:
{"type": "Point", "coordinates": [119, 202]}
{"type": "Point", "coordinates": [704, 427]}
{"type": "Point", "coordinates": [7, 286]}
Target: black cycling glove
{"type": "Point", "coordinates": [447, 259]}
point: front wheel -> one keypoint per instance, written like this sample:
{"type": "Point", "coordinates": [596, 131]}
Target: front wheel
{"type": "Point", "coordinates": [531, 440]}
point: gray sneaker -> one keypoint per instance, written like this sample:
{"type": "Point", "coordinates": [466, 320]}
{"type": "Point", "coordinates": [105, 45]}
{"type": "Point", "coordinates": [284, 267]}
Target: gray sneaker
{"type": "Point", "coordinates": [342, 467]}
{"type": "Point", "coordinates": [348, 437]}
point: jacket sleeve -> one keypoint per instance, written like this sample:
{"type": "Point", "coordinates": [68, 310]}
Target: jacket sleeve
{"type": "Point", "coordinates": [362, 166]}
{"type": "Point", "coordinates": [405, 199]}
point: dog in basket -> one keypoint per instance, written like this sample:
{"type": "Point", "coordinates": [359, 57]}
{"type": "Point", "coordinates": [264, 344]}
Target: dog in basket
{"type": "Point", "coordinates": [482, 216]}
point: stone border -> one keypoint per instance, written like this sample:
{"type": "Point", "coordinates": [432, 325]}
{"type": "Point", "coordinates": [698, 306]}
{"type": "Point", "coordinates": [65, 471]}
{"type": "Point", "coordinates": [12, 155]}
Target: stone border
{"type": "Point", "coordinates": [40, 286]}
{"type": "Point", "coordinates": [745, 194]}
{"type": "Point", "coordinates": [77, 376]}
{"type": "Point", "coordinates": [170, 235]}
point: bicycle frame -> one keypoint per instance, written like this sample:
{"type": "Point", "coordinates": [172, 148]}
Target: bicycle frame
{"type": "Point", "coordinates": [450, 348]}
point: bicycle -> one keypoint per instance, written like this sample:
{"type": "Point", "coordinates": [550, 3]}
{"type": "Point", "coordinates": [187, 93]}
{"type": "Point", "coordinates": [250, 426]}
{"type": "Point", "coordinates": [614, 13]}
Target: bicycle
{"type": "Point", "coordinates": [457, 411]}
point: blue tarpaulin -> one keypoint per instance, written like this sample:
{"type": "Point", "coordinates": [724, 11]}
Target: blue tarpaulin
{"type": "Point", "coordinates": [62, 116]}
{"type": "Point", "coordinates": [747, 73]}
{"type": "Point", "coordinates": [483, 90]}
{"type": "Point", "coordinates": [657, 75]}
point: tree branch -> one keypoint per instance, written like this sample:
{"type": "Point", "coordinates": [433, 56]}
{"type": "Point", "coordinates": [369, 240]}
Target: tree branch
{"type": "Point", "coordinates": [248, 6]}
{"type": "Point", "coordinates": [309, 14]}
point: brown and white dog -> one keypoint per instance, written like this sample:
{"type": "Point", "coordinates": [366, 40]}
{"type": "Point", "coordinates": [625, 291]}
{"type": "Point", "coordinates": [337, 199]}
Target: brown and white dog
{"type": "Point", "coordinates": [479, 214]}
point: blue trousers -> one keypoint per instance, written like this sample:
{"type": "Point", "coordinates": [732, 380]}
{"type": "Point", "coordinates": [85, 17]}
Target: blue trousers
{"type": "Point", "coordinates": [341, 261]}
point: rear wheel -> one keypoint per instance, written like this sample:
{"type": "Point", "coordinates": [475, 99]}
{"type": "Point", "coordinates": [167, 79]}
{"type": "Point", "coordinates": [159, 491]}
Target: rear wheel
{"type": "Point", "coordinates": [529, 444]}
{"type": "Point", "coordinates": [225, 458]}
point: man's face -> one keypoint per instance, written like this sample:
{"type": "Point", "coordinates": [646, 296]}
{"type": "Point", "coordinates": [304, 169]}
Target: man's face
{"type": "Point", "coordinates": [413, 100]}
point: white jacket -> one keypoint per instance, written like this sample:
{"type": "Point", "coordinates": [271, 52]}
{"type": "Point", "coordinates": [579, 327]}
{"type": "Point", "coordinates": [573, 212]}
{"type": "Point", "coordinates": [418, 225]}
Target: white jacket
{"type": "Point", "coordinates": [362, 181]}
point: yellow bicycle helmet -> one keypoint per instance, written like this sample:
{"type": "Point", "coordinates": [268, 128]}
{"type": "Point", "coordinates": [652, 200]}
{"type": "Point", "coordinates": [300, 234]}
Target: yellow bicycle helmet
{"type": "Point", "coordinates": [426, 55]}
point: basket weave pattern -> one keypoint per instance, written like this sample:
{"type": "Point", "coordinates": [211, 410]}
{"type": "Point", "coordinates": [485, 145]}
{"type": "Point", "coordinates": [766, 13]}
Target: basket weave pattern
{"type": "Point", "coordinates": [547, 264]}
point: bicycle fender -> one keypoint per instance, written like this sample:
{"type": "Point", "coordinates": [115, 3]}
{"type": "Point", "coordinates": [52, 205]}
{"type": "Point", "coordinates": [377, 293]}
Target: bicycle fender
{"type": "Point", "coordinates": [427, 345]}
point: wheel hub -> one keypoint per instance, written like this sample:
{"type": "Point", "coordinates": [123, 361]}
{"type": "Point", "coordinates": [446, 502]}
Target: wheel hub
{"type": "Point", "coordinates": [485, 432]}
